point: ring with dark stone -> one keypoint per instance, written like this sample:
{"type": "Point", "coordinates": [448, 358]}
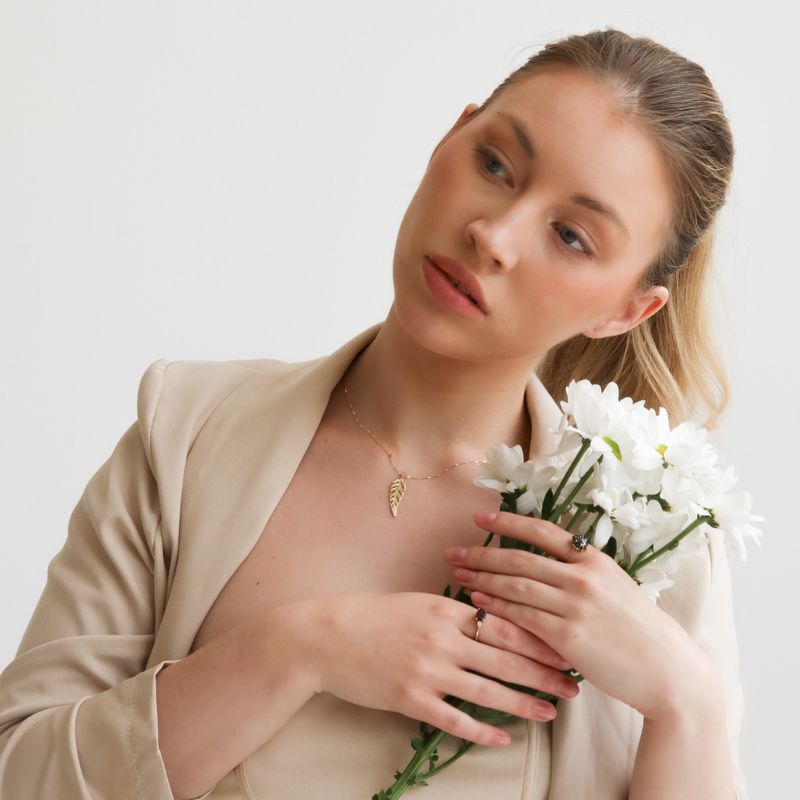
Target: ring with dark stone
{"type": "Point", "coordinates": [579, 541]}
{"type": "Point", "coordinates": [480, 616]}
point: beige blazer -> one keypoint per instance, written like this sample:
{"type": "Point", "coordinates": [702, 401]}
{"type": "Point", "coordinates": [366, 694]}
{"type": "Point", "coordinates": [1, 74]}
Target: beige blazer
{"type": "Point", "coordinates": [161, 527]}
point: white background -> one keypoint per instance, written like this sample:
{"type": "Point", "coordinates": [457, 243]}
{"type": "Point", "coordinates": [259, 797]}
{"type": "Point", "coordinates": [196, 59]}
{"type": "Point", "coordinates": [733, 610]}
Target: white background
{"type": "Point", "coordinates": [200, 180]}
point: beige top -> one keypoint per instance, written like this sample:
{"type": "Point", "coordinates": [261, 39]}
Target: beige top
{"type": "Point", "coordinates": [154, 538]}
{"type": "Point", "coordinates": [340, 751]}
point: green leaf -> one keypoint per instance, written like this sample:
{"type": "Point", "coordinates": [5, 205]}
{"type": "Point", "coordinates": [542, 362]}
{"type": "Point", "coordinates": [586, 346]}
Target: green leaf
{"type": "Point", "coordinates": [611, 547]}
{"type": "Point", "coordinates": [614, 447]}
{"type": "Point", "coordinates": [462, 596]}
{"type": "Point", "coordinates": [514, 544]}
{"type": "Point", "coordinates": [660, 500]}
{"type": "Point", "coordinates": [547, 504]}
{"type": "Point", "coordinates": [447, 590]}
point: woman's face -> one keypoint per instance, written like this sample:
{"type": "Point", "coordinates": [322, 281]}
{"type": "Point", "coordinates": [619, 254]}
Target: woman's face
{"type": "Point", "coordinates": [549, 266]}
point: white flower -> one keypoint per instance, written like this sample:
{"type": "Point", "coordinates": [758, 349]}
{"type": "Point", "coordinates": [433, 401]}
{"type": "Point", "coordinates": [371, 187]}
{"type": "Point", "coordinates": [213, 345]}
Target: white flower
{"type": "Point", "coordinates": [649, 433]}
{"type": "Point", "coordinates": [653, 581]}
{"type": "Point", "coordinates": [641, 482]}
{"type": "Point", "coordinates": [683, 454]}
{"type": "Point", "coordinates": [603, 493]}
{"type": "Point", "coordinates": [502, 469]}
{"type": "Point", "coordinates": [731, 511]}
{"type": "Point", "coordinates": [657, 528]}
{"type": "Point", "coordinates": [505, 471]}
{"type": "Point", "coordinates": [598, 414]}
{"type": "Point", "coordinates": [537, 484]}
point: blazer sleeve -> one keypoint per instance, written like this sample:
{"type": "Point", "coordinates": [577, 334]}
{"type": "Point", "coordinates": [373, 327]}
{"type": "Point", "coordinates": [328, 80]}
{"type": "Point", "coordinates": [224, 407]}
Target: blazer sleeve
{"type": "Point", "coordinates": [77, 706]}
{"type": "Point", "coordinates": [702, 601]}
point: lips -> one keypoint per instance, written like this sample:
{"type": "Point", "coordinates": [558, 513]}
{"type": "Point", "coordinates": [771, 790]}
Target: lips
{"type": "Point", "coordinates": [458, 273]}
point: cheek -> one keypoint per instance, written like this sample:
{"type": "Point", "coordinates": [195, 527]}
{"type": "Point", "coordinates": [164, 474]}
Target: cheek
{"type": "Point", "coordinates": [442, 190]}
{"type": "Point", "coordinates": [590, 297]}
{"type": "Point", "coordinates": [566, 299]}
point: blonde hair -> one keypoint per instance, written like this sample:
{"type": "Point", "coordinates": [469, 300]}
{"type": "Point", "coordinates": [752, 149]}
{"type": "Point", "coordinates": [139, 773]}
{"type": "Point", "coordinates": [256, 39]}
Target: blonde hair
{"type": "Point", "coordinates": [670, 359]}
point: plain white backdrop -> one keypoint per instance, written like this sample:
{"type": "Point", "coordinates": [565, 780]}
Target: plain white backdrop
{"type": "Point", "coordinates": [209, 180]}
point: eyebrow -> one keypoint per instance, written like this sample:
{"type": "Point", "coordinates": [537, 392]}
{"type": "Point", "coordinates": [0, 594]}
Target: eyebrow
{"type": "Point", "coordinates": [592, 203]}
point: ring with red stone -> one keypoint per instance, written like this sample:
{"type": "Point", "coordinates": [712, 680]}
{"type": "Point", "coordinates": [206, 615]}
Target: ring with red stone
{"type": "Point", "coordinates": [480, 616]}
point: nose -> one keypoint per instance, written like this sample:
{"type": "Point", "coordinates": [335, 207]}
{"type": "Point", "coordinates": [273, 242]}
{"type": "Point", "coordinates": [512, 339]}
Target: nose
{"type": "Point", "coordinates": [494, 241]}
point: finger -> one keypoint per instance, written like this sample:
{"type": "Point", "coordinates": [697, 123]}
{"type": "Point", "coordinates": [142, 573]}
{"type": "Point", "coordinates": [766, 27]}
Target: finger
{"type": "Point", "coordinates": [549, 627]}
{"type": "Point", "coordinates": [440, 714]}
{"type": "Point", "coordinates": [505, 635]}
{"type": "Point", "coordinates": [491, 694]}
{"type": "Point", "coordinates": [510, 561]}
{"type": "Point", "coordinates": [524, 591]}
{"type": "Point", "coordinates": [514, 668]}
{"type": "Point", "coordinates": [545, 535]}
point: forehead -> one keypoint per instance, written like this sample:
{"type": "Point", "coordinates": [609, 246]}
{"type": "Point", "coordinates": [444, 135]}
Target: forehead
{"type": "Point", "coordinates": [585, 143]}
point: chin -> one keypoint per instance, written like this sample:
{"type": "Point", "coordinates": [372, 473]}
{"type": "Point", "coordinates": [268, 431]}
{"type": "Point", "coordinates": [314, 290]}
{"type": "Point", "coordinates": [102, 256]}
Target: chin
{"type": "Point", "coordinates": [432, 328]}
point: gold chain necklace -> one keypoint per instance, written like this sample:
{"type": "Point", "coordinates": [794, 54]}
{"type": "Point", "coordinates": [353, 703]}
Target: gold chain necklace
{"type": "Point", "coordinates": [398, 486]}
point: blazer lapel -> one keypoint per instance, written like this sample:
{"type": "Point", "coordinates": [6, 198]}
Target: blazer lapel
{"type": "Point", "coordinates": [236, 471]}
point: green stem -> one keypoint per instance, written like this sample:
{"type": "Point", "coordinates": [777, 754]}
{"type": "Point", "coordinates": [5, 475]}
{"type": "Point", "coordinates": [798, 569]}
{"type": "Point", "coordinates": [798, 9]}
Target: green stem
{"type": "Point", "coordinates": [578, 514]}
{"type": "Point", "coordinates": [412, 774]}
{"type": "Point", "coordinates": [463, 748]}
{"type": "Point", "coordinates": [556, 513]}
{"type": "Point", "coordinates": [640, 562]}
{"type": "Point", "coordinates": [408, 777]}
{"type": "Point", "coordinates": [590, 531]}
{"type": "Point", "coordinates": [563, 482]}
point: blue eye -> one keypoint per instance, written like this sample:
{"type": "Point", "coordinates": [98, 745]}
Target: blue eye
{"type": "Point", "coordinates": [585, 251]}
{"type": "Point", "coordinates": [485, 156]}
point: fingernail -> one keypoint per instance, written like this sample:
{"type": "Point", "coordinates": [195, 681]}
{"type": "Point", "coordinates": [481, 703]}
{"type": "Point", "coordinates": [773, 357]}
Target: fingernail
{"type": "Point", "coordinates": [481, 599]}
{"type": "Point", "coordinates": [484, 517]}
{"type": "Point", "coordinates": [501, 738]}
{"type": "Point", "coordinates": [455, 553]}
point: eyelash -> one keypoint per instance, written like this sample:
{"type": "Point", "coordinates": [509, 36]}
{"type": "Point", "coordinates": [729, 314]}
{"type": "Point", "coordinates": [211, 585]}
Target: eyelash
{"type": "Point", "coordinates": [482, 153]}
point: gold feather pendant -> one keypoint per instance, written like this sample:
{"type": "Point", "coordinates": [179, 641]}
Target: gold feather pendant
{"type": "Point", "coordinates": [396, 490]}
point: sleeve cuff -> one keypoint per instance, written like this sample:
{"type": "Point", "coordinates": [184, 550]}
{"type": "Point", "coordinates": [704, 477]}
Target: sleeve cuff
{"type": "Point", "coordinates": [121, 727]}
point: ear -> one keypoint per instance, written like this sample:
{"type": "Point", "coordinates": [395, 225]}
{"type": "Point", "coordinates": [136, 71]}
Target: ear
{"type": "Point", "coordinates": [469, 109]}
{"type": "Point", "coordinates": [637, 309]}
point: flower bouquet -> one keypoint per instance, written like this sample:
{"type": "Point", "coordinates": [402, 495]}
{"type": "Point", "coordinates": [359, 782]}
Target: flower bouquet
{"type": "Point", "coordinates": [639, 491]}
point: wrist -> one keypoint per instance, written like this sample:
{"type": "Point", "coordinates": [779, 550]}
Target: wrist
{"type": "Point", "coordinates": [694, 693]}
{"type": "Point", "coordinates": [282, 637]}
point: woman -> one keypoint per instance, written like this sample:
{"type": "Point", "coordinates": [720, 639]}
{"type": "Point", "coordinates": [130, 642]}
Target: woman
{"type": "Point", "coordinates": [238, 611]}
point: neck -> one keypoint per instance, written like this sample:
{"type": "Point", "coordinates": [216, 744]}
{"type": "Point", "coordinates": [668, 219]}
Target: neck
{"type": "Point", "coordinates": [429, 410]}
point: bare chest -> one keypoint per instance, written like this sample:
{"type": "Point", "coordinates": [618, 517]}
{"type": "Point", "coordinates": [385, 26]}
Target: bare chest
{"type": "Point", "coordinates": [332, 532]}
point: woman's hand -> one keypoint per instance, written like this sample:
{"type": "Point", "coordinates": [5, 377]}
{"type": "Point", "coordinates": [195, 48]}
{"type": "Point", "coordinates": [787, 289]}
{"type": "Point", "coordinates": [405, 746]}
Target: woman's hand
{"type": "Point", "coordinates": [406, 651]}
{"type": "Point", "coordinates": [588, 609]}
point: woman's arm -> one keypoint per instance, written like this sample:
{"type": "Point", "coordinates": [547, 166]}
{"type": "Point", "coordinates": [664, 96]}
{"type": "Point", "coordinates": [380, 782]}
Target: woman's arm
{"type": "Point", "coordinates": [219, 704]}
{"type": "Point", "coordinates": [77, 703]}
{"type": "Point", "coordinates": [683, 752]}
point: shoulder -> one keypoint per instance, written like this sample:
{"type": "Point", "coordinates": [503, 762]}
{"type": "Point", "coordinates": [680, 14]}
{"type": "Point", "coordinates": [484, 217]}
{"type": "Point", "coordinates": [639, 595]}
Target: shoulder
{"type": "Point", "coordinates": [175, 399]}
